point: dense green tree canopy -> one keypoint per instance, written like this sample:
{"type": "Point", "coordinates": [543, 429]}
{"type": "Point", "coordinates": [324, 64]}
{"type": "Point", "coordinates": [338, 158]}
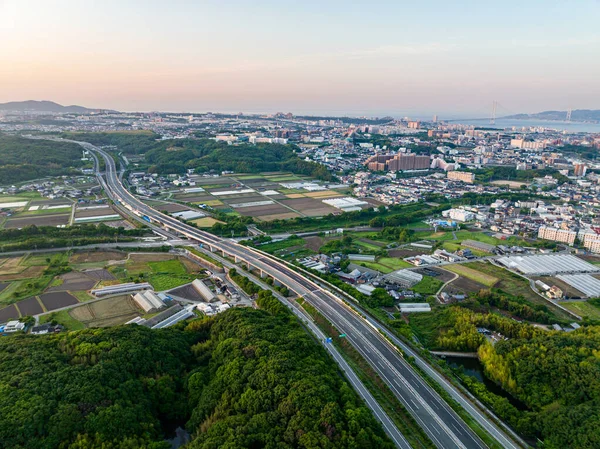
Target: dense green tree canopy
{"type": "Point", "coordinates": [26, 159]}
{"type": "Point", "coordinates": [246, 378]}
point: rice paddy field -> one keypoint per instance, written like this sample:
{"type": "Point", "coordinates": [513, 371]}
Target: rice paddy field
{"type": "Point", "coordinates": [30, 209]}
{"type": "Point", "coordinates": [265, 197]}
{"type": "Point", "coordinates": [28, 288]}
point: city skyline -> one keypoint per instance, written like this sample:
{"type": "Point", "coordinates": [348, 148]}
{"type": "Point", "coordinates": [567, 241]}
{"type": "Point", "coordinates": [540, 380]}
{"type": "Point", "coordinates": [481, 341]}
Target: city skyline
{"type": "Point", "coordinates": [416, 60]}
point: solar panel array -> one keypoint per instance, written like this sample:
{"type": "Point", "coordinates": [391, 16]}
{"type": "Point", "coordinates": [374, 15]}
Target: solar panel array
{"type": "Point", "coordinates": [585, 283]}
{"type": "Point", "coordinates": [545, 264]}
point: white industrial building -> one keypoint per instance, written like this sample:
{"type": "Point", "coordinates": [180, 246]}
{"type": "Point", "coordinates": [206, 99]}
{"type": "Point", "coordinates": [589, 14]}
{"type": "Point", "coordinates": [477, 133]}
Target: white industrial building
{"type": "Point", "coordinates": [189, 214]}
{"type": "Point", "coordinates": [548, 264]}
{"type": "Point", "coordinates": [120, 289]}
{"type": "Point", "coordinates": [212, 309]}
{"type": "Point", "coordinates": [347, 204]}
{"type": "Point", "coordinates": [14, 326]}
{"type": "Point", "coordinates": [414, 307]}
{"type": "Point", "coordinates": [362, 257]}
{"type": "Point", "coordinates": [585, 283]}
{"type": "Point", "coordinates": [148, 301]}
{"type": "Point", "coordinates": [405, 278]}
{"type": "Point", "coordinates": [203, 290]}
{"type": "Point", "coordinates": [458, 215]}
{"type": "Point", "coordinates": [185, 313]}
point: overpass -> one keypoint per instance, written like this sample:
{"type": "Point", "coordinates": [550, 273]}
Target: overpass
{"type": "Point", "coordinates": [439, 421]}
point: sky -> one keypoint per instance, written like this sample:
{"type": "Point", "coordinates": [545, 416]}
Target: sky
{"type": "Point", "coordinates": [378, 57]}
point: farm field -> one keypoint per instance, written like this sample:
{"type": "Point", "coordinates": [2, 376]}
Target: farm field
{"type": "Point", "coordinates": [238, 192]}
{"type": "Point", "coordinates": [386, 264]}
{"type": "Point", "coordinates": [205, 222]}
{"type": "Point", "coordinates": [46, 220]}
{"type": "Point", "coordinates": [106, 312]}
{"type": "Point", "coordinates": [27, 290]}
{"type": "Point", "coordinates": [63, 317]}
{"type": "Point", "coordinates": [473, 274]}
{"type": "Point", "coordinates": [582, 308]}
{"type": "Point", "coordinates": [515, 285]}
{"type": "Point", "coordinates": [162, 271]}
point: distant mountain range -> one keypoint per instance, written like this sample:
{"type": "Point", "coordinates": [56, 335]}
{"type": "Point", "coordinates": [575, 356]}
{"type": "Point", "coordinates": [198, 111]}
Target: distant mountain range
{"type": "Point", "coordinates": [577, 115]}
{"type": "Point", "coordinates": [45, 106]}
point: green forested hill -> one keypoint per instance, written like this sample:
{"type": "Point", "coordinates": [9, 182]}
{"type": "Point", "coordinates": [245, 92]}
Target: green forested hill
{"type": "Point", "coordinates": [246, 378]}
{"type": "Point", "coordinates": [557, 375]}
{"type": "Point", "coordinates": [554, 375]}
{"type": "Point", "coordinates": [25, 159]}
{"type": "Point", "coordinates": [178, 155]}
{"type": "Point", "coordinates": [130, 142]}
{"type": "Point", "coordinates": [204, 155]}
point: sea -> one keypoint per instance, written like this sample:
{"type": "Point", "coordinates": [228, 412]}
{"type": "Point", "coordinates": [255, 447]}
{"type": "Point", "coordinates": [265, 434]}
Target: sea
{"type": "Point", "coordinates": [520, 124]}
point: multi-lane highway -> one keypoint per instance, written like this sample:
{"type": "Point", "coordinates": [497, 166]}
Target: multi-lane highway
{"type": "Point", "coordinates": [442, 425]}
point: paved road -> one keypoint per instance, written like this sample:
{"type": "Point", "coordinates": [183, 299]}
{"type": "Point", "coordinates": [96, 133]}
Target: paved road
{"type": "Point", "coordinates": [385, 420]}
{"type": "Point", "coordinates": [443, 426]}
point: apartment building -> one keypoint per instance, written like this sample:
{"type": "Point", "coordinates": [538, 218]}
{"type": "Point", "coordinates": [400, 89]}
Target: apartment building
{"type": "Point", "coordinates": [398, 162]}
{"type": "Point", "coordinates": [527, 144]}
{"type": "Point", "coordinates": [557, 235]}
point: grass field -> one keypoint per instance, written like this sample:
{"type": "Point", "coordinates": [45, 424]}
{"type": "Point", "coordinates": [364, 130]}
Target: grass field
{"type": "Point", "coordinates": [63, 318]}
{"type": "Point", "coordinates": [58, 211]}
{"type": "Point", "coordinates": [205, 222]}
{"type": "Point", "coordinates": [515, 285]}
{"type": "Point", "coordinates": [13, 199]}
{"type": "Point", "coordinates": [283, 244]}
{"type": "Point", "coordinates": [428, 286]}
{"type": "Point", "coordinates": [42, 259]}
{"type": "Point", "coordinates": [23, 289]}
{"type": "Point", "coordinates": [169, 274]}
{"type": "Point", "coordinates": [367, 245]}
{"type": "Point", "coordinates": [584, 309]}
{"type": "Point", "coordinates": [386, 264]}
{"type": "Point", "coordinates": [82, 296]}
{"type": "Point", "coordinates": [473, 274]}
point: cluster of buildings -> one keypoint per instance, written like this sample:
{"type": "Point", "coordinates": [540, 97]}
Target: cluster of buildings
{"type": "Point", "coordinates": [398, 162]}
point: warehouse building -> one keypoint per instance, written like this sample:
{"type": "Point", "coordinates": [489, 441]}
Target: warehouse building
{"type": "Point", "coordinates": [120, 289]}
{"type": "Point", "coordinates": [414, 307]}
{"type": "Point", "coordinates": [404, 278]}
{"type": "Point", "coordinates": [548, 264]}
{"type": "Point", "coordinates": [203, 290]}
{"type": "Point", "coordinates": [148, 301]}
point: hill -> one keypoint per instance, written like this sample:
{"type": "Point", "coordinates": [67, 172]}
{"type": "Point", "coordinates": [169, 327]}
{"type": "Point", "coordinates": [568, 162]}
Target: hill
{"type": "Point", "coordinates": [203, 155]}
{"type": "Point", "coordinates": [26, 159]}
{"type": "Point", "coordinates": [243, 379]}
{"type": "Point", "coordinates": [577, 115]}
{"type": "Point", "coordinates": [44, 106]}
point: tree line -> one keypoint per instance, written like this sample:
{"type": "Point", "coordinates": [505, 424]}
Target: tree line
{"type": "Point", "coordinates": [245, 378]}
{"type": "Point", "coordinates": [24, 159]}
{"type": "Point", "coordinates": [39, 237]}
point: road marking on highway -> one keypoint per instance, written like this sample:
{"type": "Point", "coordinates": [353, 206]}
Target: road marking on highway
{"type": "Point", "coordinates": [323, 298]}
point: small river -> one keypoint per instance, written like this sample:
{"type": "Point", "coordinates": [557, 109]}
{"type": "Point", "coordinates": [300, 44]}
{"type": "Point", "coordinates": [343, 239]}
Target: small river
{"type": "Point", "coordinates": [474, 368]}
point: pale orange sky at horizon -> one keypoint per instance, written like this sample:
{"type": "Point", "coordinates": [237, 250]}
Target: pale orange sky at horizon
{"type": "Point", "coordinates": [384, 58]}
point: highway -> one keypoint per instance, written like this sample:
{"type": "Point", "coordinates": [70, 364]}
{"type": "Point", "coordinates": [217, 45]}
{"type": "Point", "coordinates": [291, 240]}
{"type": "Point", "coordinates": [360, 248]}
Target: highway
{"type": "Point", "coordinates": [442, 425]}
